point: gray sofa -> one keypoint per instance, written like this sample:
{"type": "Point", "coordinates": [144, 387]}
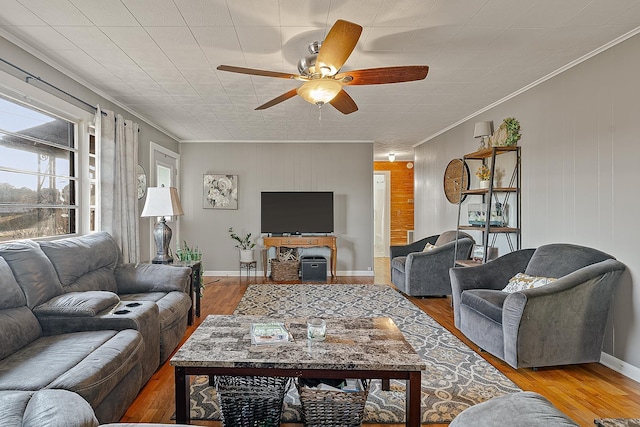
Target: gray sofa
{"type": "Point", "coordinates": [51, 408]}
{"type": "Point", "coordinates": [420, 273]}
{"type": "Point", "coordinates": [72, 318]}
{"type": "Point", "coordinates": [520, 409]}
{"type": "Point", "coordinates": [560, 323]}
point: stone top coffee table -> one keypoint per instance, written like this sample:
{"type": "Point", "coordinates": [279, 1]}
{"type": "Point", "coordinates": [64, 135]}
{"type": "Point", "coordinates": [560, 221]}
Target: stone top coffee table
{"type": "Point", "coordinates": [354, 348]}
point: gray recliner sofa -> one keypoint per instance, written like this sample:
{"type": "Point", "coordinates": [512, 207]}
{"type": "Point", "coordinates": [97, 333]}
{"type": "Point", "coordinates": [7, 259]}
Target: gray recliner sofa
{"type": "Point", "coordinates": [92, 263]}
{"type": "Point", "coordinates": [73, 318]}
{"type": "Point", "coordinates": [419, 273]}
{"type": "Point", "coordinates": [560, 323]}
{"type": "Point", "coordinates": [102, 366]}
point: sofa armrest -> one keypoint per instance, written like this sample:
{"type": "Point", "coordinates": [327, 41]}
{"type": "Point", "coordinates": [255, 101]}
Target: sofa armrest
{"type": "Point", "coordinates": [571, 313]}
{"type": "Point", "coordinates": [492, 275]}
{"type": "Point", "coordinates": [77, 304]}
{"type": "Point", "coordinates": [139, 278]}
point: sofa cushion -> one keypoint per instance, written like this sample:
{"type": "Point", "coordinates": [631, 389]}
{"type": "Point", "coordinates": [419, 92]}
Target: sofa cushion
{"type": "Point", "coordinates": [18, 328]}
{"type": "Point", "coordinates": [486, 301]}
{"type": "Point", "coordinates": [78, 304]}
{"type": "Point", "coordinates": [11, 295]}
{"type": "Point", "coordinates": [32, 270]}
{"type": "Point", "coordinates": [18, 325]}
{"type": "Point", "coordinates": [446, 237]}
{"type": "Point", "coordinates": [88, 363]}
{"type": "Point", "coordinates": [522, 281]}
{"type": "Point", "coordinates": [136, 278]}
{"type": "Point", "coordinates": [45, 408]}
{"type": "Point", "coordinates": [84, 263]}
{"type": "Point", "coordinates": [172, 306]}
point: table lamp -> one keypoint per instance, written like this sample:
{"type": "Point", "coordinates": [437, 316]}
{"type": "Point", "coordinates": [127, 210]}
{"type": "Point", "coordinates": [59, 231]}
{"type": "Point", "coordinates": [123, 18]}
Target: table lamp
{"type": "Point", "coordinates": [482, 130]}
{"type": "Point", "coordinates": [161, 202]}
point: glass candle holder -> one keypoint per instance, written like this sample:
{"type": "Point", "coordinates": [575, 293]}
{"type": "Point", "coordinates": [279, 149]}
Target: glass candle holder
{"type": "Point", "coordinates": [316, 329]}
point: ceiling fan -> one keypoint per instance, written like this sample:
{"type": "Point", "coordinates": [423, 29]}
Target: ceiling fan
{"type": "Point", "coordinates": [320, 71]}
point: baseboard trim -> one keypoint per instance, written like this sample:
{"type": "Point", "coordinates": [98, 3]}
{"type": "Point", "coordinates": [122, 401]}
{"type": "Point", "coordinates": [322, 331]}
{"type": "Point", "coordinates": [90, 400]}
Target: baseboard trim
{"type": "Point", "coordinates": [620, 366]}
{"type": "Point", "coordinates": [236, 273]}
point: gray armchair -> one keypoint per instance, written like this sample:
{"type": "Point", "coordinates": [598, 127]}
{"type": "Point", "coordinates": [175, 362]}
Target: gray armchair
{"type": "Point", "coordinates": [419, 273]}
{"type": "Point", "coordinates": [560, 323]}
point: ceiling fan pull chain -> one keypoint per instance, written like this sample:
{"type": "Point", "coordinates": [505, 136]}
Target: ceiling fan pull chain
{"type": "Point", "coordinates": [319, 112]}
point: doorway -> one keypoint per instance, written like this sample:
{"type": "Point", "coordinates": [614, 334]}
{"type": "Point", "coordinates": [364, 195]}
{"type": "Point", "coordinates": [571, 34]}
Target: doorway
{"type": "Point", "coordinates": [381, 213]}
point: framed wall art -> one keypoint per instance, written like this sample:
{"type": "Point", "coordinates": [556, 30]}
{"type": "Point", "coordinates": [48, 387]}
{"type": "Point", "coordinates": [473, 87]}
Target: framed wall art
{"type": "Point", "coordinates": [220, 191]}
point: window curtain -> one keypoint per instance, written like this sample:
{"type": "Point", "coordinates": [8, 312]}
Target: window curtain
{"type": "Point", "coordinates": [118, 182]}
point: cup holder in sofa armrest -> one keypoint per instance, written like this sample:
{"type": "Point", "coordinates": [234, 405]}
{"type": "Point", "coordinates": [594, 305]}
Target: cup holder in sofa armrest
{"type": "Point", "coordinates": [121, 312]}
{"type": "Point", "coordinates": [133, 304]}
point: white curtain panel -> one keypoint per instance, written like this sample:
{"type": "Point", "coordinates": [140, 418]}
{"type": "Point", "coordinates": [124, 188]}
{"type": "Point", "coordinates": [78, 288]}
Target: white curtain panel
{"type": "Point", "coordinates": [118, 185]}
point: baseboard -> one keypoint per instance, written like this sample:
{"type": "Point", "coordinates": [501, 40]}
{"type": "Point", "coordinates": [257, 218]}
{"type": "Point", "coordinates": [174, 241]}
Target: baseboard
{"type": "Point", "coordinates": [236, 273]}
{"type": "Point", "coordinates": [621, 366]}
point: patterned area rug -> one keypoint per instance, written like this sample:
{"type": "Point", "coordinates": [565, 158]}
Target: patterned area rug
{"type": "Point", "coordinates": [618, 422]}
{"type": "Point", "coordinates": [456, 377]}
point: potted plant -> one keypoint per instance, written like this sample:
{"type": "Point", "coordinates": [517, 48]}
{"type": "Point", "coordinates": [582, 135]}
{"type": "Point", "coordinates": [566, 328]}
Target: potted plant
{"type": "Point", "coordinates": [245, 245]}
{"type": "Point", "coordinates": [513, 131]}
{"type": "Point", "coordinates": [484, 175]}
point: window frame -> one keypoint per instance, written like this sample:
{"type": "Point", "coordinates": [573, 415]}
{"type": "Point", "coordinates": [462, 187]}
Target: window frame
{"type": "Point", "coordinates": [33, 97]}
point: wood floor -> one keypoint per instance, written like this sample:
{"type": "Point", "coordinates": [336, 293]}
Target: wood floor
{"type": "Point", "coordinates": [584, 392]}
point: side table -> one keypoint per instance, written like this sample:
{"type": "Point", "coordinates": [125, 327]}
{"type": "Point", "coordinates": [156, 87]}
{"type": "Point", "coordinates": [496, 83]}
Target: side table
{"type": "Point", "coordinates": [194, 286]}
{"type": "Point", "coordinates": [249, 265]}
{"type": "Point", "coordinates": [196, 272]}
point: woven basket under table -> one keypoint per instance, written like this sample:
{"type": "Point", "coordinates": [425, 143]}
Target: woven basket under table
{"type": "Point", "coordinates": [284, 270]}
{"type": "Point", "coordinates": [251, 401]}
{"type": "Point", "coordinates": [328, 408]}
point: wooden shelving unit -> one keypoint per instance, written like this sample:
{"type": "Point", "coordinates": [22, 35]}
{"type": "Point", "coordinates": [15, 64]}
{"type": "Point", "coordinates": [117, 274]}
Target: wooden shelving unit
{"type": "Point", "coordinates": [496, 196]}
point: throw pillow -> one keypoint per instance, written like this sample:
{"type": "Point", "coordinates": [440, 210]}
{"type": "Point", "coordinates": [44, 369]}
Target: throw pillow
{"type": "Point", "coordinates": [522, 281]}
{"type": "Point", "coordinates": [428, 247]}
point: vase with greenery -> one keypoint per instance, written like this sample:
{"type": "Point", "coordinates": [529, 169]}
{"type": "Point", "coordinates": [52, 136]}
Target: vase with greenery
{"type": "Point", "coordinates": [245, 245]}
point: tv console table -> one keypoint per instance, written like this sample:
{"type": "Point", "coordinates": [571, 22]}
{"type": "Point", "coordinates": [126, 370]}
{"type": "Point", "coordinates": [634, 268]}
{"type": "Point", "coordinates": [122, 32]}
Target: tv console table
{"type": "Point", "coordinates": [300, 242]}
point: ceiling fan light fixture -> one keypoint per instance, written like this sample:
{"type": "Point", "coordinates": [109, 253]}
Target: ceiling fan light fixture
{"type": "Point", "coordinates": [319, 91]}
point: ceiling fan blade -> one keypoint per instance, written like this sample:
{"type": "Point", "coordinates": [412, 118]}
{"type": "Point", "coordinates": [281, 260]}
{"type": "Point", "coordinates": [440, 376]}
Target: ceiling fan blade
{"type": "Point", "coordinates": [255, 72]}
{"type": "Point", "coordinates": [344, 103]}
{"type": "Point", "coordinates": [337, 46]}
{"type": "Point", "coordinates": [278, 100]}
{"type": "Point", "coordinates": [384, 75]}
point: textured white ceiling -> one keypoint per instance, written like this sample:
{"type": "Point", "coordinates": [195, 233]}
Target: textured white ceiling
{"type": "Point", "coordinates": [158, 58]}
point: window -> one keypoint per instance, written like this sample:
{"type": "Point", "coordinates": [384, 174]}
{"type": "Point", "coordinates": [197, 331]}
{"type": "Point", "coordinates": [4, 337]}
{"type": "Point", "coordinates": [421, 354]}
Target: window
{"type": "Point", "coordinates": [38, 180]}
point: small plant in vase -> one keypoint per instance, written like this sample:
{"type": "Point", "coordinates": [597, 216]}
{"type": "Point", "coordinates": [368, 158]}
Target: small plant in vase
{"type": "Point", "coordinates": [245, 245]}
{"type": "Point", "coordinates": [484, 175]}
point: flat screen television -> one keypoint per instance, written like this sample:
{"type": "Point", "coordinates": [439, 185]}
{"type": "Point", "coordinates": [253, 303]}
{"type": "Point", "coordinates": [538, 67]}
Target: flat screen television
{"type": "Point", "coordinates": [296, 212]}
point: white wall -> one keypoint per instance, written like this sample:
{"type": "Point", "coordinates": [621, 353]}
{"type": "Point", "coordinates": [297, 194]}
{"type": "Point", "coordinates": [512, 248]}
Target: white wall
{"type": "Point", "coordinates": [346, 169]}
{"type": "Point", "coordinates": [580, 182]}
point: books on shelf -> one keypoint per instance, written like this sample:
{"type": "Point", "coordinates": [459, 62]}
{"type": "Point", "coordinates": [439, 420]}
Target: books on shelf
{"type": "Point", "coordinates": [270, 333]}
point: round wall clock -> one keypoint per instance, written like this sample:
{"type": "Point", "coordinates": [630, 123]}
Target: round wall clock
{"type": "Point", "coordinates": [456, 175]}
{"type": "Point", "coordinates": [142, 182]}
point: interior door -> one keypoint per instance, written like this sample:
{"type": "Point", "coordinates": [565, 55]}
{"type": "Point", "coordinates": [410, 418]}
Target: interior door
{"type": "Point", "coordinates": [381, 213]}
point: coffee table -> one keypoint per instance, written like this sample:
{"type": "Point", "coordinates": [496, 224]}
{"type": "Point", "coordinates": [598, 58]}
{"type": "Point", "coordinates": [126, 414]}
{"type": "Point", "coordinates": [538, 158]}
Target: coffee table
{"type": "Point", "coordinates": [354, 348]}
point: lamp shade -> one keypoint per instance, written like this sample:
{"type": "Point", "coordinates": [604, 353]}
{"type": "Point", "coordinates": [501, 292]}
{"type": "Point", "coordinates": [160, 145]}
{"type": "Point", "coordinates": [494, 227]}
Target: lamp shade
{"type": "Point", "coordinates": [319, 91]}
{"type": "Point", "coordinates": [482, 129]}
{"type": "Point", "coordinates": [392, 157]}
{"type": "Point", "coordinates": [162, 201]}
